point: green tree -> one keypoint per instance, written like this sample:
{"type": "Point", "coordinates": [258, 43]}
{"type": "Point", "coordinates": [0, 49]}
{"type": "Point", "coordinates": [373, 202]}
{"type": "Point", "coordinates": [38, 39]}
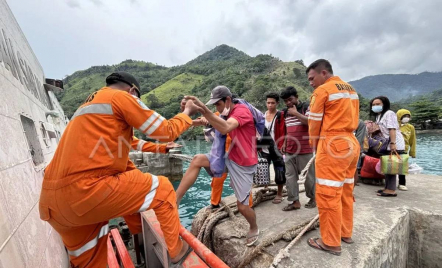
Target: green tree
{"type": "Point", "coordinates": [424, 110]}
{"type": "Point", "coordinates": [296, 72]}
{"type": "Point", "coordinates": [301, 62]}
{"type": "Point", "coordinates": [153, 102]}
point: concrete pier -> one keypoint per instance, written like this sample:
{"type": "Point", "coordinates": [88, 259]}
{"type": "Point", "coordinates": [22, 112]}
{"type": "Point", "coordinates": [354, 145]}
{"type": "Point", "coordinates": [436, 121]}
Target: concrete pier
{"type": "Point", "coordinates": [402, 231]}
{"type": "Point", "coordinates": [159, 164]}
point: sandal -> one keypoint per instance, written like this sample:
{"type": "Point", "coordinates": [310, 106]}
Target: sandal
{"type": "Point", "coordinates": [387, 194]}
{"type": "Point", "coordinates": [255, 238]}
{"type": "Point", "coordinates": [212, 206]}
{"type": "Point", "coordinates": [180, 262]}
{"type": "Point", "coordinates": [290, 207]}
{"type": "Point", "coordinates": [312, 242]}
{"type": "Point", "coordinates": [311, 204]}
{"type": "Point", "coordinates": [277, 200]}
{"type": "Point", "coordinates": [348, 241]}
{"type": "Point", "coordinates": [380, 191]}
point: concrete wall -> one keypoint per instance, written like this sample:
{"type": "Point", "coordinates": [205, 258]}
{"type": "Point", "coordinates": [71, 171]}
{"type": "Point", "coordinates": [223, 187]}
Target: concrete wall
{"type": "Point", "coordinates": [425, 248]}
{"type": "Point", "coordinates": [159, 164]}
{"type": "Point", "coordinates": [392, 249]}
{"type": "Point", "coordinates": [25, 240]}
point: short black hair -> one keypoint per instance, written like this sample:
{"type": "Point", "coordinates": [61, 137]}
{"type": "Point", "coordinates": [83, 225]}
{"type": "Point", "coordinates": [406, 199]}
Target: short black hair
{"type": "Point", "coordinates": [289, 91]}
{"type": "Point", "coordinates": [385, 105]}
{"type": "Point", "coordinates": [273, 95]}
{"type": "Point", "coordinates": [319, 65]}
{"type": "Point", "coordinates": [233, 97]}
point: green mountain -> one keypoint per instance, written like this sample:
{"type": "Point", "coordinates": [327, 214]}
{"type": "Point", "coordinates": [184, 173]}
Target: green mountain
{"type": "Point", "coordinates": [398, 86]}
{"type": "Point", "coordinates": [179, 85]}
{"type": "Point", "coordinates": [162, 87]}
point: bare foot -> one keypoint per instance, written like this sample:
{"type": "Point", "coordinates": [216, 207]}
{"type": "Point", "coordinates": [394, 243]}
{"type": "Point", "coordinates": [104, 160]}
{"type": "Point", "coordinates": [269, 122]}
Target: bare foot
{"type": "Point", "coordinates": [182, 252]}
{"type": "Point", "coordinates": [297, 204]}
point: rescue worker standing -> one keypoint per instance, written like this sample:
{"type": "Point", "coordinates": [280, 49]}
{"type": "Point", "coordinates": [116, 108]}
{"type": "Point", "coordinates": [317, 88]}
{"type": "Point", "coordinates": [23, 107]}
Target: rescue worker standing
{"type": "Point", "coordinates": [334, 116]}
{"type": "Point", "coordinates": [91, 179]}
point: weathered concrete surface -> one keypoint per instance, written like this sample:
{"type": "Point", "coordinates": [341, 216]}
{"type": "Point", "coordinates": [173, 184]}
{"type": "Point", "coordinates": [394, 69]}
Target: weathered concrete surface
{"type": "Point", "coordinates": [425, 240]}
{"type": "Point", "coordinates": [405, 231]}
{"type": "Point", "coordinates": [25, 240]}
{"type": "Point", "coordinates": [159, 164]}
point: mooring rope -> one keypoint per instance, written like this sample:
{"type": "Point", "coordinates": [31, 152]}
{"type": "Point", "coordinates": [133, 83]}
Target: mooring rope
{"type": "Point", "coordinates": [284, 253]}
{"type": "Point", "coordinates": [304, 172]}
{"type": "Point", "coordinates": [204, 223]}
{"type": "Point", "coordinates": [270, 240]}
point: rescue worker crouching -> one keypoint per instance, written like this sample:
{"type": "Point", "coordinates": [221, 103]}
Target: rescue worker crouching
{"type": "Point", "coordinates": [333, 117]}
{"type": "Point", "coordinates": [91, 179]}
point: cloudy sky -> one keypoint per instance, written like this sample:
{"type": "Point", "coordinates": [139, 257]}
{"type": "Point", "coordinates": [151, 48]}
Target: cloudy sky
{"type": "Point", "coordinates": [360, 38]}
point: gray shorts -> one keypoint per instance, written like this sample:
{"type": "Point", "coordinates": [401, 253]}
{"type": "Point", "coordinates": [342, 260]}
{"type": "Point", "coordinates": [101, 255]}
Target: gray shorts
{"type": "Point", "coordinates": [241, 180]}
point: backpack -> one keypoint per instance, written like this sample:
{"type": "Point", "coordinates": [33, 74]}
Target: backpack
{"type": "Point", "coordinates": [372, 128]}
{"type": "Point", "coordinates": [258, 116]}
{"type": "Point", "coordinates": [376, 142]}
{"type": "Point", "coordinates": [217, 154]}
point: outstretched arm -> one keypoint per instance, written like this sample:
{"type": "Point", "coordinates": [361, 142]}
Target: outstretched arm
{"type": "Point", "coordinates": [138, 115]}
{"type": "Point", "coordinates": [147, 146]}
{"type": "Point", "coordinates": [223, 126]}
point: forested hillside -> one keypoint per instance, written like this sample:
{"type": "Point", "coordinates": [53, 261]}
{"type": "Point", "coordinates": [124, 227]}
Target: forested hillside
{"type": "Point", "coordinates": [248, 77]}
{"type": "Point", "coordinates": [163, 88]}
{"type": "Point", "coordinates": [398, 86]}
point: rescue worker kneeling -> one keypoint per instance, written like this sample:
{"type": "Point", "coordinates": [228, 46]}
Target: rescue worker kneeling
{"type": "Point", "coordinates": [91, 179]}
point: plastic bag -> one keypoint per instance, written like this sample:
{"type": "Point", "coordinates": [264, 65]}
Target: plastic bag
{"type": "Point", "coordinates": [368, 169]}
{"type": "Point", "coordinates": [414, 168]}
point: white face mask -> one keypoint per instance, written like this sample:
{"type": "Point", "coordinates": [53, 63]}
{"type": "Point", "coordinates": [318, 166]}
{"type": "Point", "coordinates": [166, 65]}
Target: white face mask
{"type": "Point", "coordinates": [225, 111]}
{"type": "Point", "coordinates": [405, 120]}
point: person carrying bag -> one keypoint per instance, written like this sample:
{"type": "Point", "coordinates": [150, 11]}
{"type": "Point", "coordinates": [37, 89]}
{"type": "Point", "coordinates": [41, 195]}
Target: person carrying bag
{"type": "Point", "coordinates": [377, 144]}
{"type": "Point", "coordinates": [394, 164]}
{"type": "Point", "coordinates": [262, 174]}
{"type": "Point", "coordinates": [386, 119]}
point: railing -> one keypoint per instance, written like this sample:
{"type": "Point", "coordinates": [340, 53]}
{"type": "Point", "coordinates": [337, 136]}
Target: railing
{"type": "Point", "coordinates": [156, 249]}
{"type": "Point", "coordinates": [121, 258]}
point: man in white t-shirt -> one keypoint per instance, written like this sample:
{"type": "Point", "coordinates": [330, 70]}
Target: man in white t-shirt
{"type": "Point", "coordinates": [269, 151]}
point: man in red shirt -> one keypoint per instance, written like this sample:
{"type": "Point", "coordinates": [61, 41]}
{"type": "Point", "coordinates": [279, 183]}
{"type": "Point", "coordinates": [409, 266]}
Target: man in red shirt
{"type": "Point", "coordinates": [242, 157]}
{"type": "Point", "coordinates": [292, 139]}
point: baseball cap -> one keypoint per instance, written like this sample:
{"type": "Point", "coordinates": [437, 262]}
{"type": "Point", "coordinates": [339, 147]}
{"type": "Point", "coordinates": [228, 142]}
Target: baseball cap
{"type": "Point", "coordinates": [125, 78]}
{"type": "Point", "coordinates": [218, 93]}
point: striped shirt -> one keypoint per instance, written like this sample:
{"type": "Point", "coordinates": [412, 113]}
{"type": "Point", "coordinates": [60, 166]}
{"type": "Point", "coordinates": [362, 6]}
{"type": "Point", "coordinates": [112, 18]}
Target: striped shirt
{"type": "Point", "coordinates": [297, 139]}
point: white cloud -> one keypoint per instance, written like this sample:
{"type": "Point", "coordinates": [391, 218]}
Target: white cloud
{"type": "Point", "coordinates": [359, 38]}
{"type": "Point", "coordinates": [97, 2]}
{"type": "Point", "coordinates": [73, 3]}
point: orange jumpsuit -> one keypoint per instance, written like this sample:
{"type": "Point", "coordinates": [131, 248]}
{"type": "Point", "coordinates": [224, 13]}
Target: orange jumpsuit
{"type": "Point", "coordinates": [334, 115]}
{"type": "Point", "coordinates": [147, 146]}
{"type": "Point", "coordinates": [91, 179]}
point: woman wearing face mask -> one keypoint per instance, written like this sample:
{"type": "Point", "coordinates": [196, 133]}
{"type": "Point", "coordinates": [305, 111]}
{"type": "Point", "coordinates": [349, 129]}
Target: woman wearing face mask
{"type": "Point", "coordinates": [409, 133]}
{"type": "Point", "coordinates": [387, 121]}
